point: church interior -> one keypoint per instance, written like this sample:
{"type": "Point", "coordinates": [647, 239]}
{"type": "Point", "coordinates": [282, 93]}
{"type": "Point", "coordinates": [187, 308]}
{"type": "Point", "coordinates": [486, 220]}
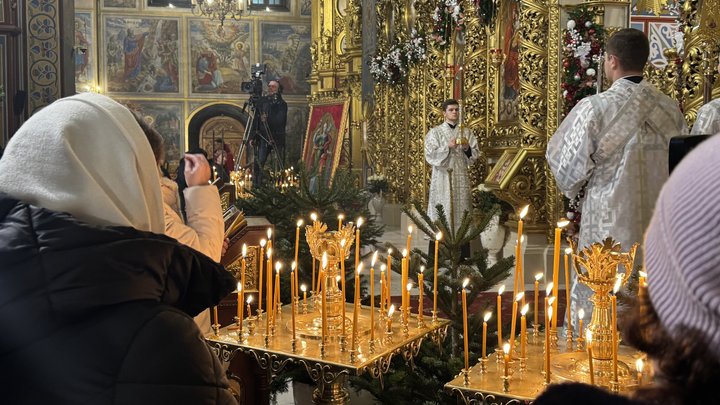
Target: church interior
{"type": "Point", "coordinates": [347, 200]}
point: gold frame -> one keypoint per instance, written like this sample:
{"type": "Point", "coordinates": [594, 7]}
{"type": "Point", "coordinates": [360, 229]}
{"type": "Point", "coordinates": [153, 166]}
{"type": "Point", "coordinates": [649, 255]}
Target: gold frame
{"type": "Point", "coordinates": [342, 129]}
{"type": "Point", "coordinates": [506, 165]}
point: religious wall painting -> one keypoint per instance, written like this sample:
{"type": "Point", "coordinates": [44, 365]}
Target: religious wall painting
{"type": "Point", "coordinates": [305, 7]}
{"type": "Point", "coordinates": [84, 51]}
{"type": "Point", "coordinates": [501, 173]}
{"type": "Point", "coordinates": [285, 50]}
{"type": "Point", "coordinates": [119, 3]}
{"type": "Point", "coordinates": [141, 55]}
{"type": "Point", "coordinates": [166, 117]}
{"type": "Point", "coordinates": [326, 130]}
{"type": "Point", "coordinates": [219, 59]}
{"type": "Point", "coordinates": [509, 81]}
{"type": "Point", "coordinates": [297, 119]}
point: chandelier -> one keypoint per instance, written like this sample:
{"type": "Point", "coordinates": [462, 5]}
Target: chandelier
{"type": "Point", "coordinates": [219, 9]}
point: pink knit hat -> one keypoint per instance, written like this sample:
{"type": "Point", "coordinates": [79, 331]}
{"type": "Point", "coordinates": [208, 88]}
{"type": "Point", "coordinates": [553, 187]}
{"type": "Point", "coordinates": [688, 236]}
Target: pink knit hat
{"type": "Point", "coordinates": [682, 247]}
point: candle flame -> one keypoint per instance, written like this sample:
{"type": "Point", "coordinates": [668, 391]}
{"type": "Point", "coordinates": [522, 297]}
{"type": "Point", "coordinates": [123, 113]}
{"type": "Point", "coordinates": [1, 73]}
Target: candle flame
{"type": "Point", "coordinates": [278, 266]}
{"type": "Point", "coordinates": [249, 300]}
{"type": "Point", "coordinates": [588, 336]}
{"type": "Point", "coordinates": [465, 283]}
{"type": "Point", "coordinates": [293, 265]}
{"type": "Point", "coordinates": [506, 348]}
{"type": "Point", "coordinates": [639, 365]}
{"type": "Point", "coordinates": [618, 283]}
{"type": "Point", "coordinates": [269, 252]}
{"type": "Point", "coordinates": [269, 233]}
{"type": "Point", "coordinates": [324, 260]}
{"type": "Point", "coordinates": [374, 259]}
{"type": "Point", "coordinates": [501, 289]}
{"type": "Point", "coordinates": [519, 296]}
{"type": "Point", "coordinates": [299, 223]}
{"type": "Point", "coordinates": [391, 310]}
{"type": "Point", "coordinates": [303, 288]}
{"type": "Point", "coordinates": [550, 314]}
{"type": "Point", "coordinates": [343, 243]}
{"type": "Point", "coordinates": [389, 251]}
{"type": "Point", "coordinates": [549, 288]}
{"type": "Point", "coordinates": [383, 267]}
{"type": "Point", "coordinates": [538, 276]}
{"type": "Point", "coordinates": [404, 252]}
{"type": "Point", "coordinates": [438, 236]}
{"type": "Point", "coordinates": [568, 251]}
{"type": "Point", "coordinates": [563, 223]}
{"type": "Point", "coordinates": [551, 300]}
{"type": "Point", "coordinates": [263, 242]}
{"type": "Point", "coordinates": [359, 221]}
{"type": "Point", "coordinates": [581, 313]}
{"type": "Point", "coordinates": [244, 250]}
{"type": "Point", "coordinates": [341, 217]}
{"type": "Point", "coordinates": [409, 286]}
{"type": "Point", "coordinates": [313, 216]}
{"type": "Point", "coordinates": [239, 287]}
{"type": "Point", "coordinates": [422, 269]}
{"type": "Point", "coordinates": [359, 268]}
{"type": "Point", "coordinates": [524, 211]}
{"type": "Point", "coordinates": [410, 229]}
{"type": "Point", "coordinates": [525, 309]}
{"type": "Point", "coordinates": [487, 316]}
{"type": "Point", "coordinates": [642, 274]}
{"type": "Point", "coordinates": [337, 279]}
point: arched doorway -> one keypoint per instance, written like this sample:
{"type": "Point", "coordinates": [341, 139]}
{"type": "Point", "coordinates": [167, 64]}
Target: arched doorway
{"type": "Point", "coordinates": [218, 121]}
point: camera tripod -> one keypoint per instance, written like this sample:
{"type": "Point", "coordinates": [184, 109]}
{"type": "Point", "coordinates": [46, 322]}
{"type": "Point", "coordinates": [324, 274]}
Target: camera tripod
{"type": "Point", "coordinates": [265, 139]}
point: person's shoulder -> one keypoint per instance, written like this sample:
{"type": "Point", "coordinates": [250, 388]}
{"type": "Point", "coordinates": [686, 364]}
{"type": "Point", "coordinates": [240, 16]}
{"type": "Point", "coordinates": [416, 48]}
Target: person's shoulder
{"type": "Point", "coordinates": [575, 393]}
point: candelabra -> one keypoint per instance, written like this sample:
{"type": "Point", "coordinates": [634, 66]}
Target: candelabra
{"type": "Point", "coordinates": [219, 9]}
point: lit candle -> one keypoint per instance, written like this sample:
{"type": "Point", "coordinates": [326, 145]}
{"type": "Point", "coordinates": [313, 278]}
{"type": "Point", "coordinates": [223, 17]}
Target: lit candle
{"type": "Point", "coordinates": [421, 286]}
{"type": "Point", "coordinates": [613, 300]}
{"type": "Point", "coordinates": [501, 290]}
{"type": "Point", "coordinates": [389, 318]}
{"type": "Point", "coordinates": [314, 218]}
{"type": "Point", "coordinates": [239, 308]}
{"type": "Point", "coordinates": [410, 230]}
{"type": "Point", "coordinates": [548, 319]}
{"type": "Point", "coordinates": [383, 283]}
{"type": "Point", "coordinates": [294, 291]}
{"type": "Point", "coordinates": [276, 303]}
{"type": "Point", "coordinates": [556, 265]}
{"type": "Point", "coordinates": [639, 367]}
{"type": "Point", "coordinates": [340, 219]}
{"type": "Point", "coordinates": [581, 315]}
{"type": "Point", "coordinates": [438, 236]}
{"type": "Point", "coordinates": [537, 297]}
{"type": "Point", "coordinates": [514, 319]}
{"type": "Point", "coordinates": [407, 311]}
{"type": "Point", "coordinates": [357, 241]}
{"type": "Point", "coordinates": [372, 295]}
{"type": "Point", "coordinates": [486, 318]}
{"type": "Point", "coordinates": [303, 288]}
{"type": "Point", "coordinates": [260, 273]}
{"type": "Point", "coordinates": [242, 270]}
{"type": "Point", "coordinates": [292, 301]}
{"type": "Point", "coordinates": [568, 251]}
{"type": "Point", "coordinates": [249, 301]}
{"type": "Point", "coordinates": [404, 278]}
{"type": "Point", "coordinates": [323, 308]}
{"type": "Point", "coordinates": [356, 305]}
{"type": "Point", "coordinates": [523, 329]}
{"type": "Point", "coordinates": [642, 289]}
{"type": "Point", "coordinates": [389, 277]}
{"type": "Point", "coordinates": [269, 285]}
{"type": "Point", "coordinates": [588, 342]}
{"type": "Point", "coordinates": [506, 350]}
{"type": "Point", "coordinates": [297, 246]}
{"type": "Point", "coordinates": [465, 327]}
{"type": "Point", "coordinates": [518, 250]}
{"type": "Point", "coordinates": [342, 282]}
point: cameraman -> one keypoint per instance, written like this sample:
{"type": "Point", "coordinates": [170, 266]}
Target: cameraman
{"type": "Point", "coordinates": [270, 133]}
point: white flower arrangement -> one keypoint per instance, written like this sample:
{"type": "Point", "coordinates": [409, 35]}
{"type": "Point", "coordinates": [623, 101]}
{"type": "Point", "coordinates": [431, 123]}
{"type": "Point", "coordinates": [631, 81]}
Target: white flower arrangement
{"type": "Point", "coordinates": [448, 17]}
{"type": "Point", "coordinates": [393, 67]}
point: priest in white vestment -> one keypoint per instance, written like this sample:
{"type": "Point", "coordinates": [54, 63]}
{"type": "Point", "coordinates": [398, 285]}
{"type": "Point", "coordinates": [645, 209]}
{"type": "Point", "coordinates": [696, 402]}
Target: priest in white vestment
{"type": "Point", "coordinates": [613, 146]}
{"type": "Point", "coordinates": [708, 119]}
{"type": "Point", "coordinates": [446, 147]}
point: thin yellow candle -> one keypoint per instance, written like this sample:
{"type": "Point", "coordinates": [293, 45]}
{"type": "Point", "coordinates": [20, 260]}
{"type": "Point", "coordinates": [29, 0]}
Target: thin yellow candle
{"type": "Point", "coordinates": [642, 289]}
{"type": "Point", "coordinates": [421, 285]}
{"type": "Point", "coordinates": [438, 236]}
{"type": "Point", "coordinates": [409, 238]}
{"type": "Point", "coordinates": [372, 295]}
{"type": "Point", "coordinates": [407, 311]}
{"type": "Point", "coordinates": [383, 283]}
{"type": "Point", "coordinates": [506, 356]}
{"type": "Point", "coordinates": [404, 278]}
{"type": "Point", "coordinates": [357, 241]}
{"type": "Point", "coordinates": [297, 246]}
{"type": "Point", "coordinates": [556, 265]}
{"type": "Point", "coordinates": [292, 301]}
{"type": "Point", "coordinates": [518, 250]}
{"type": "Point", "coordinates": [293, 272]}
{"type": "Point", "coordinates": [523, 329]}
{"type": "Point", "coordinates": [613, 300]}
{"type": "Point", "coordinates": [568, 252]}
{"type": "Point", "coordinates": [548, 293]}
{"type": "Point", "coordinates": [215, 313]}
{"type": "Point", "coordinates": [260, 273]}
{"type": "Point", "coordinates": [514, 318]}
{"type": "Point", "coordinates": [269, 235]}
{"type": "Point", "coordinates": [276, 303]}
{"type": "Point", "coordinates": [269, 285]}
{"type": "Point", "coordinates": [356, 307]}
{"type": "Point", "coordinates": [639, 367]}
{"type": "Point", "coordinates": [389, 317]}
{"type": "Point", "coordinates": [465, 327]}
{"type": "Point", "coordinates": [314, 218]}
{"type": "Point", "coordinates": [581, 315]}
{"type": "Point", "coordinates": [537, 297]}
{"type": "Point", "coordinates": [340, 219]}
{"type": "Point", "coordinates": [323, 308]}
{"type": "Point", "coordinates": [548, 319]}
{"type": "Point", "coordinates": [589, 343]}
{"type": "Point", "coordinates": [486, 318]}
{"type": "Point", "coordinates": [389, 277]}
{"type": "Point", "coordinates": [501, 290]}
{"type": "Point", "coordinates": [242, 269]}
{"type": "Point", "coordinates": [249, 301]}
{"type": "Point", "coordinates": [521, 287]}
{"type": "Point", "coordinates": [303, 288]}
{"type": "Point", "coordinates": [342, 282]}
{"type": "Point", "coordinates": [239, 306]}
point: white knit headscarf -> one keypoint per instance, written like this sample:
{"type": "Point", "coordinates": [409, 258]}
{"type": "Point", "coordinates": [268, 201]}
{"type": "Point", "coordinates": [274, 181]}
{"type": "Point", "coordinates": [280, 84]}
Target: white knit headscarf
{"type": "Point", "coordinates": [682, 247]}
{"type": "Point", "coordinates": [87, 156]}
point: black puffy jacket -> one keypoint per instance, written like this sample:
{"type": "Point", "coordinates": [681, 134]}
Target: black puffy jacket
{"type": "Point", "coordinates": [102, 315]}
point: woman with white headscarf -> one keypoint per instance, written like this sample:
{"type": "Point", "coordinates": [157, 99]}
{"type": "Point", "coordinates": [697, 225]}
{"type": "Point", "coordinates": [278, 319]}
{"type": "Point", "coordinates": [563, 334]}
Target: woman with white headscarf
{"type": "Point", "coordinates": [95, 305]}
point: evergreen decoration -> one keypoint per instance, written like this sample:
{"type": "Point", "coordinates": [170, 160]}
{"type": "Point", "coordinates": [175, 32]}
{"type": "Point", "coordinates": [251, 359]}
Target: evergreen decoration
{"type": "Point", "coordinates": [583, 41]}
{"type": "Point", "coordinates": [422, 380]}
{"type": "Point", "coordinates": [448, 19]}
{"type": "Point", "coordinates": [394, 66]}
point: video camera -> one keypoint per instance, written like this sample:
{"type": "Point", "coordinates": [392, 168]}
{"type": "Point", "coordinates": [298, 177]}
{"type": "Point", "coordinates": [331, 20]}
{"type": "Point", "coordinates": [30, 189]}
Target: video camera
{"type": "Point", "coordinates": [254, 87]}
